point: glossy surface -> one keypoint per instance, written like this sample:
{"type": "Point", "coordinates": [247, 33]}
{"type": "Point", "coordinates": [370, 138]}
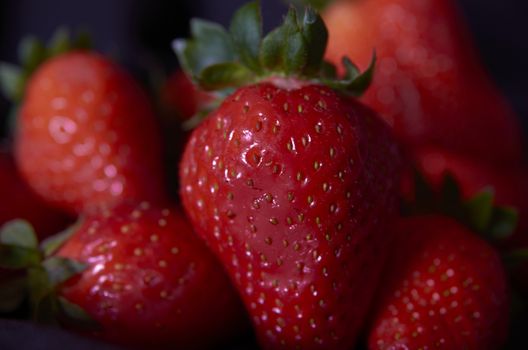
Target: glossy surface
{"type": "Point", "coordinates": [87, 135]}
{"type": "Point", "coordinates": [444, 288]}
{"type": "Point", "coordinates": [292, 189]}
{"type": "Point", "coordinates": [150, 280]}
{"type": "Point", "coordinates": [429, 84]}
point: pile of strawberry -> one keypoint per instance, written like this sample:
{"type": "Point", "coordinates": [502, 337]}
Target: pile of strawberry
{"type": "Point", "coordinates": [304, 217]}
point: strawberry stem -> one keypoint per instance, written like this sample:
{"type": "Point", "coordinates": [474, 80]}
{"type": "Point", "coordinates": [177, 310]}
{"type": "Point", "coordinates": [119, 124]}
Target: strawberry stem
{"type": "Point", "coordinates": [218, 59]}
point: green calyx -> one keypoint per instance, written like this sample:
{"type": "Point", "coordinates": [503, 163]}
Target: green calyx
{"type": "Point", "coordinates": [37, 275]}
{"type": "Point", "coordinates": [478, 212]}
{"type": "Point", "coordinates": [32, 53]}
{"type": "Point", "coordinates": [220, 59]}
{"type": "Point", "coordinates": [316, 4]}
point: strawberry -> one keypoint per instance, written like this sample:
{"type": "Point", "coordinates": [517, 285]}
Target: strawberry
{"type": "Point", "coordinates": [182, 97]}
{"type": "Point", "coordinates": [508, 184]}
{"type": "Point", "coordinates": [19, 201]}
{"type": "Point", "coordinates": [149, 281]}
{"type": "Point", "coordinates": [430, 84]}
{"type": "Point", "coordinates": [86, 134]}
{"type": "Point", "coordinates": [444, 288]}
{"type": "Point", "coordinates": [289, 181]}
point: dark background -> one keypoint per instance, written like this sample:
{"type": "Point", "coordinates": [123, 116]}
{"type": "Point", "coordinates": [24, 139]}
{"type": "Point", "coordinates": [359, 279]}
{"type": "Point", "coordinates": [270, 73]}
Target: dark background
{"type": "Point", "coordinates": [138, 32]}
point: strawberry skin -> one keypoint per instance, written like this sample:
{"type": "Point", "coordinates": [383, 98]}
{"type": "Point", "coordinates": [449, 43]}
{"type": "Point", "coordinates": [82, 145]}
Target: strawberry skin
{"type": "Point", "coordinates": [291, 185]}
{"type": "Point", "coordinates": [18, 201]}
{"type": "Point", "coordinates": [86, 134]}
{"type": "Point", "coordinates": [429, 84]}
{"type": "Point", "coordinates": [150, 281]}
{"type": "Point", "coordinates": [444, 288]}
{"type": "Point", "coordinates": [182, 97]}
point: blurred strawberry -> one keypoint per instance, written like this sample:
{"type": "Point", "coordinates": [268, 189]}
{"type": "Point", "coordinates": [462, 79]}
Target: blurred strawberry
{"type": "Point", "coordinates": [429, 84]}
{"type": "Point", "coordinates": [182, 97]}
{"type": "Point", "coordinates": [444, 288]}
{"type": "Point", "coordinates": [86, 134]}
{"type": "Point", "coordinates": [18, 201]}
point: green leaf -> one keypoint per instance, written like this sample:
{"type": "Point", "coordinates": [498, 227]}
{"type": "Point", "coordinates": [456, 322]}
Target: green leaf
{"type": "Point", "coordinates": [224, 75]}
{"type": "Point", "coordinates": [74, 316]}
{"type": "Point", "coordinates": [354, 83]}
{"type": "Point", "coordinates": [351, 70]}
{"type": "Point", "coordinates": [59, 43]}
{"type": "Point", "coordinates": [38, 284]}
{"type": "Point", "coordinates": [515, 258]}
{"type": "Point", "coordinates": [479, 210]}
{"type": "Point", "coordinates": [61, 269]}
{"type": "Point", "coordinates": [316, 37]}
{"type": "Point", "coordinates": [246, 32]}
{"type": "Point", "coordinates": [271, 50]}
{"type": "Point", "coordinates": [295, 54]}
{"type": "Point", "coordinates": [328, 70]}
{"type": "Point", "coordinates": [82, 41]}
{"type": "Point", "coordinates": [51, 244]}
{"type": "Point", "coordinates": [11, 81]}
{"type": "Point", "coordinates": [31, 54]}
{"type": "Point", "coordinates": [450, 197]}
{"type": "Point", "coordinates": [16, 257]}
{"type": "Point", "coordinates": [19, 233]}
{"type": "Point", "coordinates": [210, 45]}
{"type": "Point", "coordinates": [45, 310]}
{"type": "Point", "coordinates": [362, 82]}
{"type": "Point", "coordinates": [12, 294]}
{"type": "Point", "coordinates": [423, 192]}
{"type": "Point", "coordinates": [503, 223]}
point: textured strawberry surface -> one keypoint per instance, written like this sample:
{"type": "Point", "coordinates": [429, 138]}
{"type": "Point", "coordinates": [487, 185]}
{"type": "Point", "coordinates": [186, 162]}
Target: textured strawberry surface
{"type": "Point", "coordinates": [150, 281]}
{"type": "Point", "coordinates": [444, 288]}
{"type": "Point", "coordinates": [293, 186]}
{"type": "Point", "coordinates": [86, 134]}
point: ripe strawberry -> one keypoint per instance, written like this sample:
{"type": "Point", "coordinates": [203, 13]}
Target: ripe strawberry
{"type": "Point", "coordinates": [150, 282]}
{"type": "Point", "coordinates": [19, 202]}
{"type": "Point", "coordinates": [291, 183]}
{"type": "Point", "coordinates": [444, 288]}
{"type": "Point", "coordinates": [182, 97]}
{"type": "Point", "coordinates": [430, 84]}
{"type": "Point", "coordinates": [86, 134]}
{"type": "Point", "coordinates": [509, 185]}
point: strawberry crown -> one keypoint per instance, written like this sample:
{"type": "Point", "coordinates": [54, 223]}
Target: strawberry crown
{"type": "Point", "coordinates": [479, 212]}
{"type": "Point", "coordinates": [38, 274]}
{"type": "Point", "coordinates": [32, 53]}
{"type": "Point", "coordinates": [316, 4]}
{"type": "Point", "coordinates": [218, 59]}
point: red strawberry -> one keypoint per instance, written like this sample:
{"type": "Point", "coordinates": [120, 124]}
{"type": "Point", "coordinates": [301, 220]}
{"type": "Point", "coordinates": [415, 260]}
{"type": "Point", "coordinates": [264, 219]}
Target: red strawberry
{"type": "Point", "coordinates": [444, 288]}
{"type": "Point", "coordinates": [19, 202]}
{"type": "Point", "coordinates": [291, 183]}
{"type": "Point", "coordinates": [430, 84]}
{"type": "Point", "coordinates": [150, 282]}
{"type": "Point", "coordinates": [182, 97]}
{"type": "Point", "coordinates": [86, 134]}
{"type": "Point", "coordinates": [509, 185]}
